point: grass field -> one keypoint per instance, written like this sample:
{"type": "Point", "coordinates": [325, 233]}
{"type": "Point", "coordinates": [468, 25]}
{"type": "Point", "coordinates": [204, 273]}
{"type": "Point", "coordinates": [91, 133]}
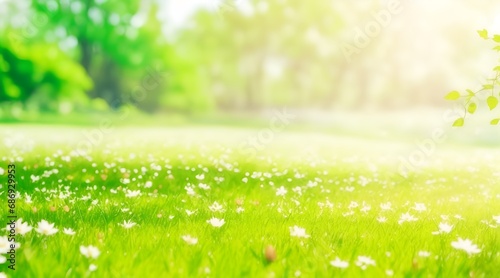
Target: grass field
{"type": "Point", "coordinates": [197, 202]}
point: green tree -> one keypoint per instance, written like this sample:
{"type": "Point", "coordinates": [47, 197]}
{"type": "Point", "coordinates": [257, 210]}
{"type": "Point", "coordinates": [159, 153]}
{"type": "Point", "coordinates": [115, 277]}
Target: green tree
{"type": "Point", "coordinates": [270, 53]}
{"type": "Point", "coordinates": [116, 42]}
{"type": "Point", "coordinates": [37, 69]}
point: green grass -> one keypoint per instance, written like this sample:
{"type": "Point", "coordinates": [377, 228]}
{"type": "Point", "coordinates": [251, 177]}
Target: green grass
{"type": "Point", "coordinates": [340, 171]}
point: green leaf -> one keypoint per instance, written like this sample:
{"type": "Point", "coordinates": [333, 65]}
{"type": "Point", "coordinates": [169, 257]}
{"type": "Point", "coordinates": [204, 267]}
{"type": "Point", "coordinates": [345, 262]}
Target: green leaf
{"type": "Point", "coordinates": [497, 68]}
{"type": "Point", "coordinates": [459, 122]}
{"type": "Point", "coordinates": [472, 108]}
{"type": "Point", "coordinates": [492, 102]}
{"type": "Point", "coordinates": [497, 48]}
{"type": "Point", "coordinates": [483, 34]}
{"type": "Point", "coordinates": [487, 87]}
{"type": "Point", "coordinates": [471, 93]}
{"type": "Point", "coordinates": [454, 95]}
{"type": "Point", "coordinates": [496, 38]}
{"type": "Point", "coordinates": [495, 121]}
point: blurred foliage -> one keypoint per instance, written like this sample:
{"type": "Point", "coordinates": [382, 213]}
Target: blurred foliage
{"type": "Point", "coordinates": [100, 55]}
{"type": "Point", "coordinates": [271, 55]}
{"type": "Point", "coordinates": [111, 36]}
{"type": "Point", "coordinates": [41, 71]}
{"type": "Point", "coordinates": [489, 93]}
{"type": "Point", "coordinates": [62, 54]}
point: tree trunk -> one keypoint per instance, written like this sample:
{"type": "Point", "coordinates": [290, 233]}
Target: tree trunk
{"type": "Point", "coordinates": [86, 58]}
{"type": "Point", "coordinates": [110, 84]}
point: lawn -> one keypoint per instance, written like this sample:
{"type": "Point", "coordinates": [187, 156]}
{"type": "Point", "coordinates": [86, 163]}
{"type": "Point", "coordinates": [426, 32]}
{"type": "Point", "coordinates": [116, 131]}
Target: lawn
{"type": "Point", "coordinates": [202, 202]}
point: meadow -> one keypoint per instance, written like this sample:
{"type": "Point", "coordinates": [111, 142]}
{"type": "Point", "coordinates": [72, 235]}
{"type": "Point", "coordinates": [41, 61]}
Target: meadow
{"type": "Point", "coordinates": [200, 202]}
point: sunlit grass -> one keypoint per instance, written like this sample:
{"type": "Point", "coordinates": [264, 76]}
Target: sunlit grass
{"type": "Point", "coordinates": [336, 188]}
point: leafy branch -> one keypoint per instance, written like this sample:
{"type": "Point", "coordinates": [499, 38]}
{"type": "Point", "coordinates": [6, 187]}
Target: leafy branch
{"type": "Point", "coordinates": [471, 98]}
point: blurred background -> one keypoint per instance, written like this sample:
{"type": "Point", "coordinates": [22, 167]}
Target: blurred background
{"type": "Point", "coordinates": [351, 65]}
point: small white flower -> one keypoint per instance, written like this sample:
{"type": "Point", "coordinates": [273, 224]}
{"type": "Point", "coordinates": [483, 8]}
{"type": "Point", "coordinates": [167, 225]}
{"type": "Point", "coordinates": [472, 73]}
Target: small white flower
{"type": "Point", "coordinates": [297, 231]}
{"type": "Point", "coordinates": [366, 208]}
{"type": "Point", "coordinates": [339, 263]}
{"type": "Point", "coordinates": [353, 205]}
{"type": "Point", "coordinates": [216, 222]}
{"type": "Point", "coordinates": [386, 206]}
{"type": "Point", "coordinates": [349, 188]}
{"type": "Point", "coordinates": [2, 259]}
{"type": "Point", "coordinates": [92, 267]}
{"type": "Point", "coordinates": [132, 193]}
{"type": "Point", "coordinates": [420, 207]}
{"type": "Point", "coordinates": [68, 231]}
{"type": "Point", "coordinates": [444, 228]}
{"type": "Point", "coordinates": [216, 207]}
{"type": "Point", "coordinates": [424, 254]}
{"type": "Point", "coordinates": [190, 190]}
{"type": "Point", "coordinates": [189, 212]}
{"type": "Point", "coordinates": [312, 184]}
{"type": "Point", "coordinates": [3, 275]}
{"type": "Point", "coordinates": [389, 272]}
{"type": "Point", "coordinates": [382, 219]}
{"type": "Point", "coordinates": [21, 227]}
{"type": "Point", "coordinates": [497, 219]}
{"type": "Point", "coordinates": [406, 217]}
{"type": "Point", "coordinates": [200, 177]}
{"type": "Point", "coordinates": [45, 228]}
{"type": "Point", "coordinates": [86, 197]}
{"type": "Point", "coordinates": [281, 191]}
{"type": "Point", "coordinates": [148, 184]}
{"type": "Point", "coordinates": [190, 240]}
{"type": "Point", "coordinates": [204, 186]}
{"type": "Point", "coordinates": [297, 190]}
{"type": "Point", "coordinates": [466, 245]}
{"type": "Point", "coordinates": [28, 199]}
{"type": "Point", "coordinates": [90, 251]}
{"type": "Point", "coordinates": [5, 245]}
{"type": "Point", "coordinates": [219, 179]}
{"type": "Point", "coordinates": [128, 224]}
{"type": "Point", "coordinates": [239, 209]}
{"type": "Point", "coordinates": [363, 262]}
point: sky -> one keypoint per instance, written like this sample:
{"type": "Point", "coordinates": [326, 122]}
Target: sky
{"type": "Point", "coordinates": [178, 12]}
